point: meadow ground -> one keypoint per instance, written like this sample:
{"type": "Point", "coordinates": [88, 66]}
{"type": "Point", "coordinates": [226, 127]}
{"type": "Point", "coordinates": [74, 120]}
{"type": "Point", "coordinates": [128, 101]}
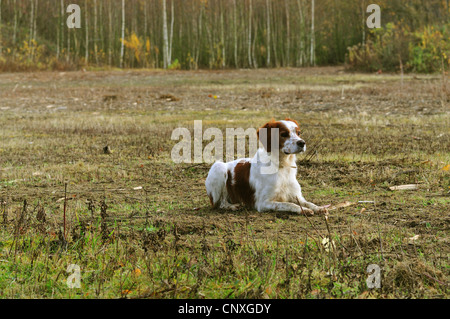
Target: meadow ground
{"type": "Point", "coordinates": [140, 226]}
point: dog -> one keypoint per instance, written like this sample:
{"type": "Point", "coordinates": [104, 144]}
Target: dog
{"type": "Point", "coordinates": [266, 182]}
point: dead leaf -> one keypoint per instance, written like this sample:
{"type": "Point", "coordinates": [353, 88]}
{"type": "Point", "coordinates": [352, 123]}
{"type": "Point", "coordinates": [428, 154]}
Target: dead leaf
{"type": "Point", "coordinates": [413, 239]}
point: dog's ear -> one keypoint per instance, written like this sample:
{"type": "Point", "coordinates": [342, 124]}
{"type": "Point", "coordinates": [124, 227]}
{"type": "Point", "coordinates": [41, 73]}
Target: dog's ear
{"type": "Point", "coordinates": [264, 134]}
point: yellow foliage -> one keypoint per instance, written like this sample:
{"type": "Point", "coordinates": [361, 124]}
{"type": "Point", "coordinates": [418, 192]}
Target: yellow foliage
{"type": "Point", "coordinates": [134, 44]}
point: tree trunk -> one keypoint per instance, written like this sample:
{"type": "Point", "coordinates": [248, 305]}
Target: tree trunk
{"type": "Point", "coordinates": [268, 32]}
{"type": "Point", "coordinates": [62, 25]}
{"type": "Point", "coordinates": [172, 20]}
{"type": "Point", "coordinates": [313, 38]}
{"type": "Point", "coordinates": [35, 27]}
{"type": "Point", "coordinates": [288, 35]}
{"type": "Point", "coordinates": [15, 24]}
{"type": "Point", "coordinates": [165, 37]}
{"type": "Point", "coordinates": [222, 35]}
{"type": "Point", "coordinates": [86, 26]}
{"type": "Point", "coordinates": [110, 41]}
{"type": "Point", "coordinates": [363, 25]}
{"type": "Point", "coordinates": [200, 33]}
{"type": "Point", "coordinates": [30, 39]}
{"type": "Point", "coordinates": [123, 34]}
{"type": "Point", "coordinates": [95, 32]}
{"type": "Point", "coordinates": [1, 38]}
{"type": "Point", "coordinates": [302, 54]}
{"type": "Point", "coordinates": [255, 63]}
{"type": "Point", "coordinates": [35, 20]}
{"type": "Point", "coordinates": [236, 63]}
{"type": "Point", "coordinates": [68, 45]}
{"type": "Point", "coordinates": [249, 49]}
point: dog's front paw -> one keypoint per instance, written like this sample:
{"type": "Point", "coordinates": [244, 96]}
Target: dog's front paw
{"type": "Point", "coordinates": [321, 211]}
{"type": "Point", "coordinates": [234, 207]}
{"type": "Point", "coordinates": [306, 211]}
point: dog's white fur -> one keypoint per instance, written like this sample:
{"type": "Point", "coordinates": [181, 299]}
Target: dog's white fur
{"type": "Point", "coordinates": [277, 191]}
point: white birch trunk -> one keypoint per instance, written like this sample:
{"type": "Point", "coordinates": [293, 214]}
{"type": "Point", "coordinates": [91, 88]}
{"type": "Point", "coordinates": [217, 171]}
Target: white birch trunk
{"type": "Point", "coordinates": [165, 37]}
{"type": "Point", "coordinates": [123, 34]}
{"type": "Point", "coordinates": [169, 61]}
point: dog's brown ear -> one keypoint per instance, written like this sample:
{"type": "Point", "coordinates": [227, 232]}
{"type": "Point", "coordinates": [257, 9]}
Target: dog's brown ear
{"type": "Point", "coordinates": [264, 134]}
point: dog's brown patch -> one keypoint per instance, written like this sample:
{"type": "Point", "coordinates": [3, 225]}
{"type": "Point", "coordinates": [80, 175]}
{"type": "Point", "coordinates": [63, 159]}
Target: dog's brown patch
{"type": "Point", "coordinates": [267, 143]}
{"type": "Point", "coordinates": [238, 188]}
{"type": "Point", "coordinates": [297, 130]}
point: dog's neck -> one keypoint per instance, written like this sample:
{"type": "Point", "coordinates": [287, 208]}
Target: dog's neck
{"type": "Point", "coordinates": [280, 159]}
{"type": "Point", "coordinates": [288, 161]}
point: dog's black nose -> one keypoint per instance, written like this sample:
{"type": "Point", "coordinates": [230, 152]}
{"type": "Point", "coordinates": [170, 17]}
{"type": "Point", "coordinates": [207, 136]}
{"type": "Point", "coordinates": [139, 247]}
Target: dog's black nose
{"type": "Point", "coordinates": [301, 143]}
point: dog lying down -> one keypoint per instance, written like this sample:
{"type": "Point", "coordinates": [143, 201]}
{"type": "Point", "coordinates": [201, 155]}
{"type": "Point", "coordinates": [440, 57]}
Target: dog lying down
{"type": "Point", "coordinates": [266, 182]}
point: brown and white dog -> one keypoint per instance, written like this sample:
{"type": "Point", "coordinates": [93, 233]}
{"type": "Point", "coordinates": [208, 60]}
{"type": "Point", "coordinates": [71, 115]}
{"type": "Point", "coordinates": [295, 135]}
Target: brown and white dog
{"type": "Point", "coordinates": [255, 183]}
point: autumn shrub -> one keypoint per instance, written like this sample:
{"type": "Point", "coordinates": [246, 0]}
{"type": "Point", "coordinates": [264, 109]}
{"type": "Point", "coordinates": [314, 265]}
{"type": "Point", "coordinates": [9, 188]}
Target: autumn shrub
{"type": "Point", "coordinates": [395, 47]}
{"type": "Point", "coordinates": [385, 49]}
{"type": "Point", "coordinates": [32, 56]}
{"type": "Point", "coordinates": [431, 50]}
{"type": "Point", "coordinates": [27, 57]}
{"type": "Point", "coordinates": [138, 51]}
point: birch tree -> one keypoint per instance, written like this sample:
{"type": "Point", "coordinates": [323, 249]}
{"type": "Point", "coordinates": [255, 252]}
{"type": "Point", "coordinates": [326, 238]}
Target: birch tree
{"type": "Point", "coordinates": [172, 21]}
{"type": "Point", "coordinates": [123, 34]}
{"type": "Point", "coordinates": [165, 37]}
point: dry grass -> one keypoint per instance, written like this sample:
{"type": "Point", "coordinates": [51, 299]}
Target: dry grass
{"type": "Point", "coordinates": [141, 226]}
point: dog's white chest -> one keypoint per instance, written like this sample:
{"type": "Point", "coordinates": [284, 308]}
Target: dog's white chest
{"type": "Point", "coordinates": [284, 184]}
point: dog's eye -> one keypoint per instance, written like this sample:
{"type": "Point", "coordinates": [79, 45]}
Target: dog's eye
{"type": "Point", "coordinates": [285, 134]}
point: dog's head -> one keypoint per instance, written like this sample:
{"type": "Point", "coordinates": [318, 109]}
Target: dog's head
{"type": "Point", "coordinates": [289, 141]}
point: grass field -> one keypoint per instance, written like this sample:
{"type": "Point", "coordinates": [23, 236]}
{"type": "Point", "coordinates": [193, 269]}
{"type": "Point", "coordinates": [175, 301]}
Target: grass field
{"type": "Point", "coordinates": [140, 226]}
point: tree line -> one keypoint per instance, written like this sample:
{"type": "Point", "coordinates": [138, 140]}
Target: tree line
{"type": "Point", "coordinates": [193, 34]}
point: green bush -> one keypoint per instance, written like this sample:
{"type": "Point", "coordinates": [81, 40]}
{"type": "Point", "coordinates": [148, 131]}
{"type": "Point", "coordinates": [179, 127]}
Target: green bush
{"type": "Point", "coordinates": [430, 50]}
{"type": "Point", "coordinates": [393, 46]}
